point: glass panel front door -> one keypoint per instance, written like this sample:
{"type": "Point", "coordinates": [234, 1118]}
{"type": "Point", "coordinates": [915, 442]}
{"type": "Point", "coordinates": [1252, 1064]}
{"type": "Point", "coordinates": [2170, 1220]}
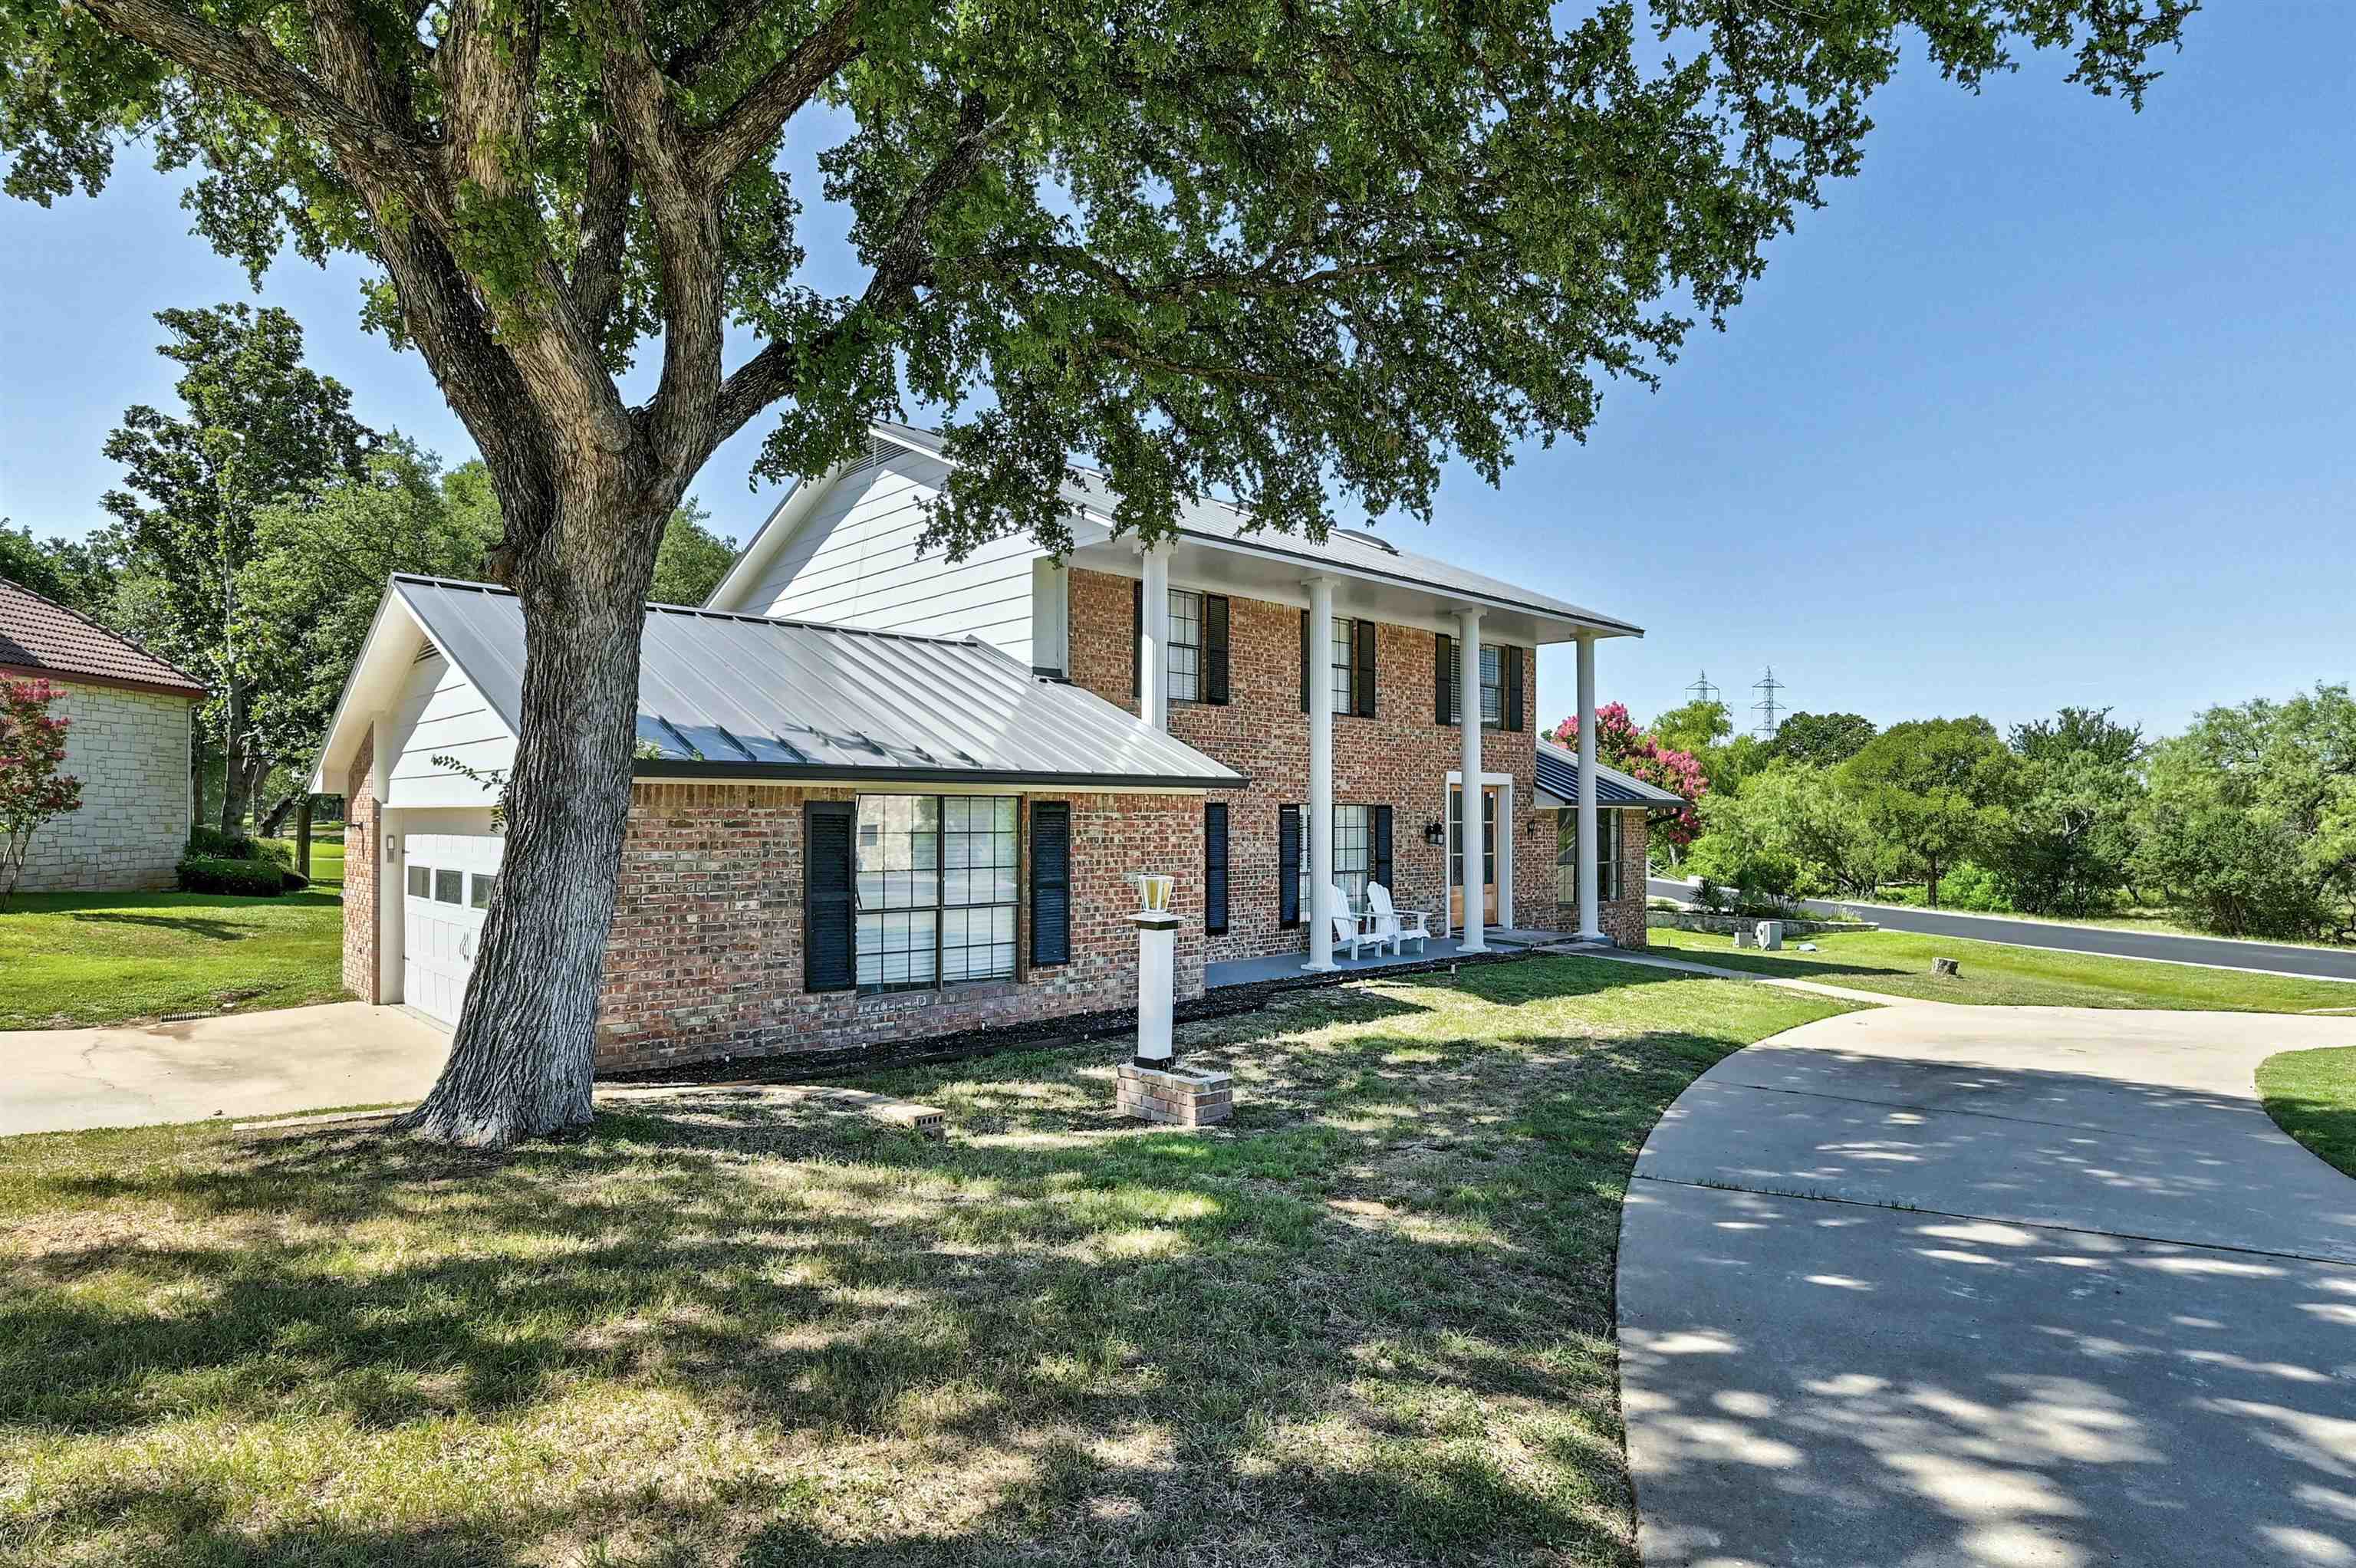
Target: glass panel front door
{"type": "Point", "coordinates": [1456, 856]}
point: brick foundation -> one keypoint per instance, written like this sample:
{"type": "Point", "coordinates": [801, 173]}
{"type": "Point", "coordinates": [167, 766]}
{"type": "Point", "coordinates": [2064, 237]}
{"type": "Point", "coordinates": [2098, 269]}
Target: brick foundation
{"type": "Point", "coordinates": [1398, 758]}
{"type": "Point", "coordinates": [362, 852]}
{"type": "Point", "coordinates": [1182, 1097]}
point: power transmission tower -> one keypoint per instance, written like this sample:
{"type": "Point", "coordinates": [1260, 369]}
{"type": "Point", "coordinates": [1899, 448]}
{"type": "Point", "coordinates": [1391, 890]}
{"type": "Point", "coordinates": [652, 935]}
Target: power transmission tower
{"type": "Point", "coordinates": [1701, 690]}
{"type": "Point", "coordinates": [1767, 708]}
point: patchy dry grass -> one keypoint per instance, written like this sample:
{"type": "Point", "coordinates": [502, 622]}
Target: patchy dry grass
{"type": "Point", "coordinates": [1370, 1322]}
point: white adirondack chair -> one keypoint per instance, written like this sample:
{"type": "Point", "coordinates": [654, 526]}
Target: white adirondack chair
{"type": "Point", "coordinates": [1395, 925]}
{"type": "Point", "coordinates": [1349, 931]}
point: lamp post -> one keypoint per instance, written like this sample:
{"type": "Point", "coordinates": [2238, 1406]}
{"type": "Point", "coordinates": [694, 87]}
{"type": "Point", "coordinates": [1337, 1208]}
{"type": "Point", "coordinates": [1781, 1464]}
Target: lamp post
{"type": "Point", "coordinates": [1157, 951]}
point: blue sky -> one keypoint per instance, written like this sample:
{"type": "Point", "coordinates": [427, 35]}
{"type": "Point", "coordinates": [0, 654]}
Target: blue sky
{"type": "Point", "coordinates": [2051, 405]}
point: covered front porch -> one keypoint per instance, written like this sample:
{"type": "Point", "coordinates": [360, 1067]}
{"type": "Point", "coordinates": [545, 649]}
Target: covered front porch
{"type": "Point", "coordinates": [1289, 965]}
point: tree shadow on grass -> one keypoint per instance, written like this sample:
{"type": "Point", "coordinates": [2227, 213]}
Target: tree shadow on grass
{"type": "Point", "coordinates": [1368, 1322]}
{"type": "Point", "coordinates": [191, 925]}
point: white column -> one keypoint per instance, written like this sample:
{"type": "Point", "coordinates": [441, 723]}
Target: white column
{"type": "Point", "coordinates": [1153, 641]}
{"type": "Point", "coordinates": [1589, 930]}
{"type": "Point", "coordinates": [1471, 939]}
{"type": "Point", "coordinates": [1317, 819]}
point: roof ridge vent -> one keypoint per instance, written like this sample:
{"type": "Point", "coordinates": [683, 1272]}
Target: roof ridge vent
{"type": "Point", "coordinates": [1368, 536]}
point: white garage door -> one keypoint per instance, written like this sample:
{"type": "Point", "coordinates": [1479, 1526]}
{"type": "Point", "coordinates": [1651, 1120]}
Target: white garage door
{"type": "Point", "coordinates": [448, 894]}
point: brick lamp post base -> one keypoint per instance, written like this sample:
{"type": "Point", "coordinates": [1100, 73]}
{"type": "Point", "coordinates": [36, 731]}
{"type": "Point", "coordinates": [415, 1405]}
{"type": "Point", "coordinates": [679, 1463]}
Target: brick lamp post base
{"type": "Point", "coordinates": [1178, 1097]}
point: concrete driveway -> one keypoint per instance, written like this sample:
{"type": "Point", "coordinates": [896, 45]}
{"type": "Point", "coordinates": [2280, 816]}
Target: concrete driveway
{"type": "Point", "coordinates": [1934, 1284]}
{"type": "Point", "coordinates": [243, 1064]}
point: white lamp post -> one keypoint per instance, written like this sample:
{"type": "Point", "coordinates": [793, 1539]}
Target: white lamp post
{"type": "Point", "coordinates": [1157, 970]}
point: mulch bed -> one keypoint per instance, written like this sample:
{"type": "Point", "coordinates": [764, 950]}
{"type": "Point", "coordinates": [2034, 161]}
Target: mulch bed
{"type": "Point", "coordinates": [1043, 1034]}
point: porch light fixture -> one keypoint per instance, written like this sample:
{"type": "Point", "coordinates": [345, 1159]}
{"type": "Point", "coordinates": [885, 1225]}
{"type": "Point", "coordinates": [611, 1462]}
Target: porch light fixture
{"type": "Point", "coordinates": [1153, 893]}
{"type": "Point", "coordinates": [1434, 834]}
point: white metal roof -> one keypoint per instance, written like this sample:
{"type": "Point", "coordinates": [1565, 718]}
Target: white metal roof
{"type": "Point", "coordinates": [724, 696]}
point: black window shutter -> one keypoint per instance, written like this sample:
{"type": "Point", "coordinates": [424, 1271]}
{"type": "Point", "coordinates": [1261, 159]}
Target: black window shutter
{"type": "Point", "coordinates": [1215, 649]}
{"type": "Point", "coordinates": [1364, 676]}
{"type": "Point", "coordinates": [1443, 677]}
{"type": "Point", "coordinates": [1051, 882]}
{"type": "Point", "coordinates": [1510, 677]}
{"type": "Point", "coordinates": [830, 922]}
{"type": "Point", "coordinates": [1214, 866]}
{"type": "Point", "coordinates": [1304, 661]}
{"type": "Point", "coordinates": [1136, 641]}
{"type": "Point", "coordinates": [1288, 865]}
{"type": "Point", "coordinates": [1381, 872]}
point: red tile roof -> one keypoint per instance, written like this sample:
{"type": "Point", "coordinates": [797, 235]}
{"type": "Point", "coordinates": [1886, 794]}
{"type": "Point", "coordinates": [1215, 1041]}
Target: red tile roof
{"type": "Point", "coordinates": [41, 638]}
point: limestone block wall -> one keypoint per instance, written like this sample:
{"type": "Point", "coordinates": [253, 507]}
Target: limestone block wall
{"type": "Point", "coordinates": [130, 749]}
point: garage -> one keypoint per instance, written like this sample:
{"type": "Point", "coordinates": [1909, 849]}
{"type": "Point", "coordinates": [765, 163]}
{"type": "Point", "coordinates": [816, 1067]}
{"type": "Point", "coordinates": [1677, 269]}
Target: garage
{"type": "Point", "coordinates": [446, 898]}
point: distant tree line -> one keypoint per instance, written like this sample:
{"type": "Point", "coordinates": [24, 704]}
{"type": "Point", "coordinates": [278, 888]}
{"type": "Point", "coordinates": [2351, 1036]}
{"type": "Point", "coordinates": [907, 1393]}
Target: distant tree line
{"type": "Point", "coordinates": [2243, 824]}
{"type": "Point", "coordinates": [252, 538]}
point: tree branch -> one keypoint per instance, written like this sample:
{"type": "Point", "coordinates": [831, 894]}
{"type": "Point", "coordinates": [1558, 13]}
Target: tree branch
{"type": "Point", "coordinates": [689, 63]}
{"type": "Point", "coordinates": [902, 265]}
{"type": "Point", "coordinates": [745, 130]}
{"type": "Point", "coordinates": [246, 64]}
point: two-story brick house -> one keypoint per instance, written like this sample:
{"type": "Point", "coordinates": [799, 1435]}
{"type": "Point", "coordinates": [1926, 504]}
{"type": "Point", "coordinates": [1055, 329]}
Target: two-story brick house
{"type": "Point", "coordinates": [898, 796]}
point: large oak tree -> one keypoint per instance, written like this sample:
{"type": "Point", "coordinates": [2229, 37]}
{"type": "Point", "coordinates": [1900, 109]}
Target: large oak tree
{"type": "Point", "coordinates": [1279, 248]}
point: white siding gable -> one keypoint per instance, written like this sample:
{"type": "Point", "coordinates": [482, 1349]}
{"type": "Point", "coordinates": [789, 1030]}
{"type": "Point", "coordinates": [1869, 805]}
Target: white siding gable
{"type": "Point", "coordinates": [440, 713]}
{"type": "Point", "coordinates": [850, 559]}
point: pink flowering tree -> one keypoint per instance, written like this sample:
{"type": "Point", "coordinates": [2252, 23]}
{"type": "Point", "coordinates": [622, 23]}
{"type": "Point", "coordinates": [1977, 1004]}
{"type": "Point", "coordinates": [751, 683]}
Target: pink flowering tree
{"type": "Point", "coordinates": [34, 785]}
{"type": "Point", "coordinates": [1620, 744]}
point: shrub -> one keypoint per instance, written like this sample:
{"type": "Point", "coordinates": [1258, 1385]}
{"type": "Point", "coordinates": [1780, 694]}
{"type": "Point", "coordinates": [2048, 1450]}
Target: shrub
{"type": "Point", "coordinates": [228, 874]}
{"type": "Point", "coordinates": [215, 843]}
{"type": "Point", "coordinates": [1973, 887]}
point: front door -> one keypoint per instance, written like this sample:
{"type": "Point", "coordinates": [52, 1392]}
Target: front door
{"type": "Point", "coordinates": [1456, 856]}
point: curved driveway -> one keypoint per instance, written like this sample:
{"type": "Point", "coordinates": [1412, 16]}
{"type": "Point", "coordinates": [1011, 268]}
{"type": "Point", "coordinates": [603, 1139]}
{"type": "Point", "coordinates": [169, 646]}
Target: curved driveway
{"type": "Point", "coordinates": [1934, 1284]}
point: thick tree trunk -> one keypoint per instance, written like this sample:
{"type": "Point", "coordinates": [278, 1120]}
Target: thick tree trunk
{"type": "Point", "coordinates": [236, 762]}
{"type": "Point", "coordinates": [271, 821]}
{"type": "Point", "coordinates": [521, 1064]}
{"type": "Point", "coordinates": [302, 837]}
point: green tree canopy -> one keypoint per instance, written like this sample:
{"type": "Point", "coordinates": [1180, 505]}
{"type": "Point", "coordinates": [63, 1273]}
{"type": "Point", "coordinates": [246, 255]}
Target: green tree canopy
{"type": "Point", "coordinates": [1276, 249]}
{"type": "Point", "coordinates": [1933, 789]}
{"type": "Point", "coordinates": [2080, 731]}
{"type": "Point", "coordinates": [256, 424]}
{"type": "Point", "coordinates": [1821, 740]}
{"type": "Point", "coordinates": [78, 574]}
{"type": "Point", "coordinates": [691, 559]}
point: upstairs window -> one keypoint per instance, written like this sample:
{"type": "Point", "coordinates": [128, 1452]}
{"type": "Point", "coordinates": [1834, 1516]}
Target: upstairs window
{"type": "Point", "coordinates": [1185, 663]}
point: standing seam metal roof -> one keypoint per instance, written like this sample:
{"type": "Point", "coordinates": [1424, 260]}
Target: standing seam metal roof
{"type": "Point", "coordinates": [1559, 776]}
{"type": "Point", "coordinates": [733, 696]}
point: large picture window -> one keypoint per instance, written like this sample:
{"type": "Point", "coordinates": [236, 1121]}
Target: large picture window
{"type": "Point", "coordinates": [1566, 856]}
{"type": "Point", "coordinates": [1354, 853]}
{"type": "Point", "coordinates": [1186, 664]}
{"type": "Point", "coordinates": [937, 890]}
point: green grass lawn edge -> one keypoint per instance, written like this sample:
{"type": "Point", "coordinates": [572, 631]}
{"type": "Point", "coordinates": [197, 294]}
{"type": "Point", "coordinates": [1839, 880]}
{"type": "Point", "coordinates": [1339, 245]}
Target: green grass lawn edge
{"type": "Point", "coordinates": [2312, 1095]}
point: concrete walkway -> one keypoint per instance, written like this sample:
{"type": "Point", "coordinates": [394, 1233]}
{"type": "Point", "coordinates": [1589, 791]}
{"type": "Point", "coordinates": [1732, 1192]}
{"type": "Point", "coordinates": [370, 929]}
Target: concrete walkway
{"type": "Point", "coordinates": [241, 1064]}
{"type": "Point", "coordinates": [1934, 1285]}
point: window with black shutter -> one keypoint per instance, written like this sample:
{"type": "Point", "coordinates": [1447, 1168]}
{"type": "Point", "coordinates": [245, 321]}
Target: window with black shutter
{"type": "Point", "coordinates": [1364, 677]}
{"type": "Point", "coordinates": [1382, 866]}
{"type": "Point", "coordinates": [1051, 882]}
{"type": "Point", "coordinates": [1288, 865]}
{"type": "Point", "coordinates": [1215, 649]}
{"type": "Point", "coordinates": [1513, 658]}
{"type": "Point", "coordinates": [1214, 866]}
{"type": "Point", "coordinates": [828, 917]}
{"type": "Point", "coordinates": [1444, 679]}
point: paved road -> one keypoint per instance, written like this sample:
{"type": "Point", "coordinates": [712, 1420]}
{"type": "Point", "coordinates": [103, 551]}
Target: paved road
{"type": "Point", "coordinates": [245, 1064]}
{"type": "Point", "coordinates": [1929, 1286]}
{"type": "Point", "coordinates": [2287, 958]}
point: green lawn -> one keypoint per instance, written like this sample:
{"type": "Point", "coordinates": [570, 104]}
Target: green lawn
{"type": "Point", "coordinates": [1369, 1322]}
{"type": "Point", "coordinates": [1898, 964]}
{"type": "Point", "coordinates": [69, 960]}
{"type": "Point", "coordinates": [2311, 1095]}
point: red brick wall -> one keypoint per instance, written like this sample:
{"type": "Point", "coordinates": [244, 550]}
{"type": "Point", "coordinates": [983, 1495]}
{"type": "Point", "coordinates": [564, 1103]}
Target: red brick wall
{"type": "Point", "coordinates": [362, 852]}
{"type": "Point", "coordinates": [705, 957]}
{"type": "Point", "coordinates": [1622, 919]}
{"type": "Point", "coordinates": [1398, 757]}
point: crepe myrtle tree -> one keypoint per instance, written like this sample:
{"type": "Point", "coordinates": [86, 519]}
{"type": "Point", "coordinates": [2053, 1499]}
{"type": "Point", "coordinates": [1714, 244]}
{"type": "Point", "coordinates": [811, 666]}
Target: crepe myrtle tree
{"type": "Point", "coordinates": [1276, 248]}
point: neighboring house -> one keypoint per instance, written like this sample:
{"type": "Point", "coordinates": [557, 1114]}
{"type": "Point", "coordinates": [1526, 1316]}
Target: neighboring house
{"type": "Point", "coordinates": [892, 796]}
{"type": "Point", "coordinates": [130, 715]}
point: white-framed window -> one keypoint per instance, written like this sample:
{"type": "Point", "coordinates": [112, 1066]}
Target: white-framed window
{"type": "Point", "coordinates": [1185, 661]}
{"type": "Point", "coordinates": [1343, 658]}
{"type": "Point", "coordinates": [937, 890]}
{"type": "Point", "coordinates": [1566, 855]}
{"type": "Point", "coordinates": [1493, 687]}
{"type": "Point", "coordinates": [1354, 854]}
